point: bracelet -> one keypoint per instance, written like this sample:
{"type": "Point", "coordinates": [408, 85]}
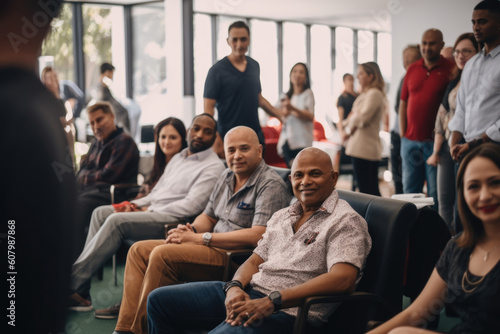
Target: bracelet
{"type": "Point", "coordinates": [475, 143]}
{"type": "Point", "coordinates": [194, 229]}
{"type": "Point", "coordinates": [232, 284]}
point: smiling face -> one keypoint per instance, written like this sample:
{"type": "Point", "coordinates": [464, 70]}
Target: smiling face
{"type": "Point", "coordinates": [482, 189]}
{"type": "Point", "coordinates": [238, 40]}
{"type": "Point", "coordinates": [170, 141]}
{"type": "Point", "coordinates": [312, 177]}
{"type": "Point", "coordinates": [243, 151]}
{"type": "Point", "coordinates": [463, 52]}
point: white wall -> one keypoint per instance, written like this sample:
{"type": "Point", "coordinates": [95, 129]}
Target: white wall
{"type": "Point", "coordinates": [411, 18]}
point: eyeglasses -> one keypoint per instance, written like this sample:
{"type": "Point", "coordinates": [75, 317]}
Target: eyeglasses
{"type": "Point", "coordinates": [465, 52]}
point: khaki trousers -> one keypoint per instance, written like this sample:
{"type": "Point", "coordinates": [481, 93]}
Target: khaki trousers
{"type": "Point", "coordinates": [152, 264]}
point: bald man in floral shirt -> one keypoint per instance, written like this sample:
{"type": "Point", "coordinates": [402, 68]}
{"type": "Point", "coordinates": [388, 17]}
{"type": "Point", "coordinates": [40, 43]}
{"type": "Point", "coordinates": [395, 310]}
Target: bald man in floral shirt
{"type": "Point", "coordinates": [316, 246]}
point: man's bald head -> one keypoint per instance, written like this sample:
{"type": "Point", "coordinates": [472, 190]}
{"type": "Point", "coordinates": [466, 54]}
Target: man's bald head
{"type": "Point", "coordinates": [242, 131]}
{"type": "Point", "coordinates": [313, 178]}
{"type": "Point", "coordinates": [436, 33]}
{"type": "Point", "coordinates": [432, 43]}
{"type": "Point", "coordinates": [243, 151]}
{"type": "Point", "coordinates": [314, 154]}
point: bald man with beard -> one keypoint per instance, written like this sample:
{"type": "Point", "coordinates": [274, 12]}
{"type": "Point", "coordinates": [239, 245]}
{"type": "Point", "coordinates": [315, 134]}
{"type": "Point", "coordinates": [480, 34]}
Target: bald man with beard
{"type": "Point", "coordinates": [423, 89]}
{"type": "Point", "coordinates": [316, 246]}
{"type": "Point", "coordinates": [246, 195]}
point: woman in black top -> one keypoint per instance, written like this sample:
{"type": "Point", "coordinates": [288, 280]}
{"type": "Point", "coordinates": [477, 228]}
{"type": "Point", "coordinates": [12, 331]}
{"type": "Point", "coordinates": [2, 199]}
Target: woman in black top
{"type": "Point", "coordinates": [467, 276]}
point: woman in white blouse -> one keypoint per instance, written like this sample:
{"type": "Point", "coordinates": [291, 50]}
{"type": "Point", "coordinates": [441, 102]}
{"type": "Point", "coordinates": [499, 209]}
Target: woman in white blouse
{"type": "Point", "coordinates": [363, 125]}
{"type": "Point", "coordinates": [297, 107]}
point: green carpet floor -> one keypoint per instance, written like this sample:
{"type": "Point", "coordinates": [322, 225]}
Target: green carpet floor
{"type": "Point", "coordinates": [104, 294]}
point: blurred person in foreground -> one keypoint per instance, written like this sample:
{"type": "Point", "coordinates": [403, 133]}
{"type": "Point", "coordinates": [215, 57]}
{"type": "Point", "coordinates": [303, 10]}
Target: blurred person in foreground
{"type": "Point", "coordinates": [38, 189]}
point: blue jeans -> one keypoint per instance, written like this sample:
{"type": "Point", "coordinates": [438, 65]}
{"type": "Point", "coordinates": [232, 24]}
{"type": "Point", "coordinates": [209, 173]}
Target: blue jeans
{"type": "Point", "coordinates": [200, 305]}
{"type": "Point", "coordinates": [414, 155]}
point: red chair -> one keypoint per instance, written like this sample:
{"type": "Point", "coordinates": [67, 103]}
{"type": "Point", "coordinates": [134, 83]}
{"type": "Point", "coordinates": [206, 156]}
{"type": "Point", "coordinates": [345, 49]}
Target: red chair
{"type": "Point", "coordinates": [319, 132]}
{"type": "Point", "coordinates": [271, 157]}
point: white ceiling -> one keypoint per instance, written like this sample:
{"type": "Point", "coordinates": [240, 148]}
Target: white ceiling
{"type": "Point", "coordinates": [361, 14]}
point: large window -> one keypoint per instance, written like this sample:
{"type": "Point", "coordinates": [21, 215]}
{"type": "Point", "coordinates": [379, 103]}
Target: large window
{"type": "Point", "coordinates": [202, 56]}
{"type": "Point", "coordinates": [57, 50]}
{"type": "Point", "coordinates": [384, 58]}
{"type": "Point", "coordinates": [103, 41]}
{"type": "Point", "coordinates": [264, 48]}
{"type": "Point", "coordinates": [344, 62]}
{"type": "Point", "coordinates": [321, 74]}
{"type": "Point", "coordinates": [365, 46]}
{"type": "Point", "coordinates": [149, 77]}
{"type": "Point", "coordinates": [294, 49]}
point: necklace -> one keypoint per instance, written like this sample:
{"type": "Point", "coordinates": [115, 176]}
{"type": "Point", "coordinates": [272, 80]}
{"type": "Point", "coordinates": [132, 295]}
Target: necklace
{"type": "Point", "coordinates": [471, 286]}
{"type": "Point", "coordinates": [487, 253]}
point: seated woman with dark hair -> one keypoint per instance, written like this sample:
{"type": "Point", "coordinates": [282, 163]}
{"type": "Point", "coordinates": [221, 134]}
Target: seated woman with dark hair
{"type": "Point", "coordinates": [467, 276]}
{"type": "Point", "coordinates": [170, 139]}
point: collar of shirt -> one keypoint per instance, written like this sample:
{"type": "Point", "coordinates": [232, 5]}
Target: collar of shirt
{"type": "Point", "coordinates": [442, 62]}
{"type": "Point", "coordinates": [250, 182]}
{"type": "Point", "coordinates": [195, 156]}
{"type": "Point", "coordinates": [113, 135]}
{"type": "Point", "coordinates": [328, 205]}
{"type": "Point", "coordinates": [493, 53]}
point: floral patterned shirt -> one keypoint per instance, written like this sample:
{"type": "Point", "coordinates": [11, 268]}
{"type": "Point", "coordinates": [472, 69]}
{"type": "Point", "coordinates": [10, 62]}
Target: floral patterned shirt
{"type": "Point", "coordinates": [333, 234]}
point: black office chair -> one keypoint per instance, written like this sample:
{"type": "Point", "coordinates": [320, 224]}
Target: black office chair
{"type": "Point", "coordinates": [380, 291]}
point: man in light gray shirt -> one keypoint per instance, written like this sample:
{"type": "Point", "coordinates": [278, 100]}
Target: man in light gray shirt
{"type": "Point", "coordinates": [477, 117]}
{"type": "Point", "coordinates": [182, 191]}
{"type": "Point", "coordinates": [246, 195]}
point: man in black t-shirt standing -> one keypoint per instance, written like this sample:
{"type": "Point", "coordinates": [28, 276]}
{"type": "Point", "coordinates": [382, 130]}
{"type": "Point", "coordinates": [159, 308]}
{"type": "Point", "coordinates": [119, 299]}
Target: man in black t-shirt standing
{"type": "Point", "coordinates": [233, 87]}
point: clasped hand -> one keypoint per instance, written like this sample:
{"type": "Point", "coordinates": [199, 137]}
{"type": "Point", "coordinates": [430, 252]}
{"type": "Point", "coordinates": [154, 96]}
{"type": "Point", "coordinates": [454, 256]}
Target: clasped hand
{"type": "Point", "coordinates": [241, 310]}
{"type": "Point", "coordinates": [182, 234]}
{"type": "Point", "coordinates": [458, 151]}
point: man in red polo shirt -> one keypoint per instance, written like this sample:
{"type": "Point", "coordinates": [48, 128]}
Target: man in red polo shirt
{"type": "Point", "coordinates": [423, 89]}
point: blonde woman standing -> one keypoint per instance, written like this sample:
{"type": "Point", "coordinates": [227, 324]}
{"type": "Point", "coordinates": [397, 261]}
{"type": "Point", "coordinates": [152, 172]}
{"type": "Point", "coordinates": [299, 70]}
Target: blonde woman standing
{"type": "Point", "coordinates": [363, 126]}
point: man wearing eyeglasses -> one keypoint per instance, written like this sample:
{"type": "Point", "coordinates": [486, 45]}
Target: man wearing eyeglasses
{"type": "Point", "coordinates": [477, 117]}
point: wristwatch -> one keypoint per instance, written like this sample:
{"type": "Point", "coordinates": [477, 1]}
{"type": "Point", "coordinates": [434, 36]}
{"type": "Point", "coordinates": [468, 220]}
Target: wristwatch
{"type": "Point", "coordinates": [275, 297]}
{"type": "Point", "coordinates": [207, 237]}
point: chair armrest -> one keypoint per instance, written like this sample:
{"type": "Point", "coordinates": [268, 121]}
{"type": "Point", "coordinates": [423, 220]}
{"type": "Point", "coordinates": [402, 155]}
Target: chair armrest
{"type": "Point", "coordinates": [301, 320]}
{"type": "Point", "coordinates": [231, 254]}
{"type": "Point", "coordinates": [121, 186]}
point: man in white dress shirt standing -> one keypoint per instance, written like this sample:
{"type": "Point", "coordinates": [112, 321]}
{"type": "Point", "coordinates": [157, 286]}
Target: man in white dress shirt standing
{"type": "Point", "coordinates": [477, 117]}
